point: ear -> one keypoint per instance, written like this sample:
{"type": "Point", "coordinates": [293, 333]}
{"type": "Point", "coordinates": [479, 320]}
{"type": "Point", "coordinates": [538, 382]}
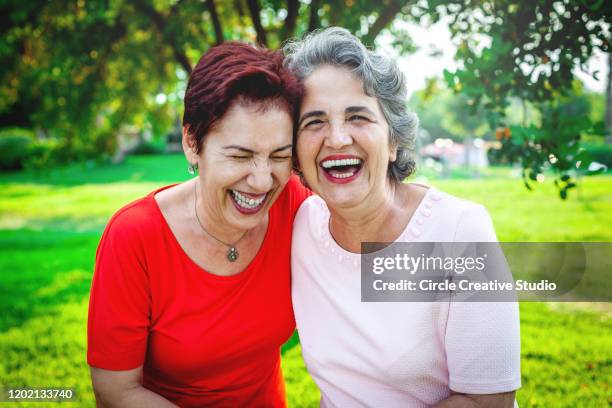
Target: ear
{"type": "Point", "coordinates": [392, 152]}
{"type": "Point", "coordinates": [189, 145]}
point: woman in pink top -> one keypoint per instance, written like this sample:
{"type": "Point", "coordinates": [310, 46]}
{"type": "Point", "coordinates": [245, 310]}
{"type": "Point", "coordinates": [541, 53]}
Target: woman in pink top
{"type": "Point", "coordinates": [353, 146]}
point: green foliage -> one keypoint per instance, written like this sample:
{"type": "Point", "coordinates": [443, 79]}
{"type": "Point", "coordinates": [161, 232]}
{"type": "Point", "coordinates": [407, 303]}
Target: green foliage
{"type": "Point", "coordinates": [20, 149]}
{"type": "Point", "coordinates": [528, 50]}
{"type": "Point", "coordinates": [17, 131]}
{"type": "Point", "coordinates": [82, 70]}
{"type": "Point", "coordinates": [44, 154]}
{"type": "Point", "coordinates": [50, 225]}
{"type": "Point", "coordinates": [14, 152]}
{"type": "Point", "coordinates": [600, 153]}
{"type": "Point", "coordinates": [444, 114]}
{"type": "Point", "coordinates": [552, 143]}
{"type": "Point", "coordinates": [148, 148]}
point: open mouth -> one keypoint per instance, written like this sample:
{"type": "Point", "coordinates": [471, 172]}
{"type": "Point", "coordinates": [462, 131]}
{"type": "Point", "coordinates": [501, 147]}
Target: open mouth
{"type": "Point", "coordinates": [341, 170]}
{"type": "Point", "coordinates": [248, 203]}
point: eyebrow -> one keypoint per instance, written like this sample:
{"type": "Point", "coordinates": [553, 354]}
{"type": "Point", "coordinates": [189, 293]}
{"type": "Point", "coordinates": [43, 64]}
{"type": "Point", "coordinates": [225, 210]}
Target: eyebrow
{"type": "Point", "coordinates": [354, 109]}
{"type": "Point", "coordinates": [280, 149]}
{"type": "Point", "coordinates": [350, 109]}
{"type": "Point", "coordinates": [245, 150]}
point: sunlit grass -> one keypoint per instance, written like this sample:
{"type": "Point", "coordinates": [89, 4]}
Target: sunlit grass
{"type": "Point", "coordinates": [539, 215]}
{"type": "Point", "coordinates": [50, 225]}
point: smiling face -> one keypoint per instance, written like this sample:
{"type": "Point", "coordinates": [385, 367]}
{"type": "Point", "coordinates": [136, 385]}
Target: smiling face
{"type": "Point", "coordinates": [244, 163]}
{"type": "Point", "coordinates": [343, 139]}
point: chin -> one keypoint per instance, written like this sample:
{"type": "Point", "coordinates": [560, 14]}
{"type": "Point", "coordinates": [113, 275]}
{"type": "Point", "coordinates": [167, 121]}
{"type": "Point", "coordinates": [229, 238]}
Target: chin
{"type": "Point", "coordinates": [242, 221]}
{"type": "Point", "coordinates": [342, 199]}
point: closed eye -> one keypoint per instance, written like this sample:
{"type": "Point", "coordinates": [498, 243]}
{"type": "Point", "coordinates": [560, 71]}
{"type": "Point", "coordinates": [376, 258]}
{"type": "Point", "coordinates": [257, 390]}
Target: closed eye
{"type": "Point", "coordinates": [240, 157]}
{"type": "Point", "coordinates": [313, 123]}
{"type": "Point", "coordinates": [281, 157]}
{"type": "Point", "coordinates": [357, 117]}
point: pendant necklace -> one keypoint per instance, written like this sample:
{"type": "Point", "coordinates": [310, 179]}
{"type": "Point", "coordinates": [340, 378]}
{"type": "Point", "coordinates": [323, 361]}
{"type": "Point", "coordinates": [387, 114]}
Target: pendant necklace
{"type": "Point", "coordinates": [232, 252]}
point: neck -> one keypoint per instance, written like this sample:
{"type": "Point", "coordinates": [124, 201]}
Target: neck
{"type": "Point", "coordinates": [368, 222]}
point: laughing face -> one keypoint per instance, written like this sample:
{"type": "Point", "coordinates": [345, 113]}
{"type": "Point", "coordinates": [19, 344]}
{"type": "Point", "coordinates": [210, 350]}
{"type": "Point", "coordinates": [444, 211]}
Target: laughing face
{"type": "Point", "coordinates": [244, 163]}
{"type": "Point", "coordinates": [343, 139]}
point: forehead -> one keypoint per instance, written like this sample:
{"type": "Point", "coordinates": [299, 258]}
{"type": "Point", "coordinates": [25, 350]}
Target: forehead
{"type": "Point", "coordinates": [257, 126]}
{"type": "Point", "coordinates": [330, 88]}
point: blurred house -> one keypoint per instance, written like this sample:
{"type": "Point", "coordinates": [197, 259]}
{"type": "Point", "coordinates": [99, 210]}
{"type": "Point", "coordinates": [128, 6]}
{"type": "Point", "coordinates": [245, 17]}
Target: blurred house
{"type": "Point", "coordinates": [472, 153]}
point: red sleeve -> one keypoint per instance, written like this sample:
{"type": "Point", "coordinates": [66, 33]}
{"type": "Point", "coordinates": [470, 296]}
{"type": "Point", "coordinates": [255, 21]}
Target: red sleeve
{"type": "Point", "coordinates": [297, 193]}
{"type": "Point", "coordinates": [120, 302]}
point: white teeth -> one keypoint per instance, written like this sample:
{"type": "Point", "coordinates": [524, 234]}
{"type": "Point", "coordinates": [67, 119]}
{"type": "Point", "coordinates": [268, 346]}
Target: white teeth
{"type": "Point", "coordinates": [343, 175]}
{"type": "Point", "coordinates": [327, 164]}
{"type": "Point", "coordinates": [247, 202]}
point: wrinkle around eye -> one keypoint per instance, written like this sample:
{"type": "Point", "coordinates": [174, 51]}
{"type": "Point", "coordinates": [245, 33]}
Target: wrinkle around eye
{"type": "Point", "coordinates": [312, 124]}
{"type": "Point", "coordinates": [353, 118]}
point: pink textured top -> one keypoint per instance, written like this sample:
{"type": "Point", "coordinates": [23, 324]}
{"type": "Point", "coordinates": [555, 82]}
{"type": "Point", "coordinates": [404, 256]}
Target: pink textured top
{"type": "Point", "coordinates": [398, 354]}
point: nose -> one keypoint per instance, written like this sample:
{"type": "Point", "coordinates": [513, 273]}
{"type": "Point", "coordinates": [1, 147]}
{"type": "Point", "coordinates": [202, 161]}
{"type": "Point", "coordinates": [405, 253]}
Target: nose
{"type": "Point", "coordinates": [260, 178]}
{"type": "Point", "coordinates": [338, 136]}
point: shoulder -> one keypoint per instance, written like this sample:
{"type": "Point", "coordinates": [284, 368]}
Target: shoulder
{"type": "Point", "coordinates": [313, 208]}
{"type": "Point", "coordinates": [312, 217]}
{"type": "Point", "coordinates": [133, 221]}
{"type": "Point", "coordinates": [468, 221]}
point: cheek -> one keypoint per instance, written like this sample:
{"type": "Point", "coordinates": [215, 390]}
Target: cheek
{"type": "Point", "coordinates": [376, 147]}
{"type": "Point", "coordinates": [224, 174]}
{"type": "Point", "coordinates": [283, 171]}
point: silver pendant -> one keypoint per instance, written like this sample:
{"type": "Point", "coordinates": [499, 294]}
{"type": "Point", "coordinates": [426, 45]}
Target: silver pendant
{"type": "Point", "coordinates": [232, 254]}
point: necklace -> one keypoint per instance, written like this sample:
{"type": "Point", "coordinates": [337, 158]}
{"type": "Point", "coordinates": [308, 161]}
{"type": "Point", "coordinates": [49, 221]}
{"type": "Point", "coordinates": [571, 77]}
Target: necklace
{"type": "Point", "coordinates": [232, 252]}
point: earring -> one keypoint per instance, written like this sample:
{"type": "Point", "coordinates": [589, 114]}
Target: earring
{"type": "Point", "coordinates": [192, 168]}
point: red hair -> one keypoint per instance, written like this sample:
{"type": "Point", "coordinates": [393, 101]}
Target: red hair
{"type": "Point", "coordinates": [235, 72]}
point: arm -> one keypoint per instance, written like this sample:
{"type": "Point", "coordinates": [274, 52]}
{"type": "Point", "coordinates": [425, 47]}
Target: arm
{"type": "Point", "coordinates": [119, 316]}
{"type": "Point", "coordinates": [482, 339]}
{"type": "Point", "coordinates": [124, 389]}
{"type": "Point", "coordinates": [503, 400]}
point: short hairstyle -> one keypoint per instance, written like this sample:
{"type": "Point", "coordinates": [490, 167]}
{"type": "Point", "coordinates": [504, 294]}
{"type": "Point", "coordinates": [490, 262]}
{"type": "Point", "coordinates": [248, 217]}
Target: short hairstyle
{"type": "Point", "coordinates": [236, 72]}
{"type": "Point", "coordinates": [381, 78]}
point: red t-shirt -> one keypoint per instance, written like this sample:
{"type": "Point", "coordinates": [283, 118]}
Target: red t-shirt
{"type": "Point", "coordinates": [203, 339]}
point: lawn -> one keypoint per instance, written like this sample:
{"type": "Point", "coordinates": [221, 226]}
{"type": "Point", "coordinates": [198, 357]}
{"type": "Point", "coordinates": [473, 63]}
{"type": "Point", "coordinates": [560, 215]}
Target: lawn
{"type": "Point", "coordinates": [50, 224]}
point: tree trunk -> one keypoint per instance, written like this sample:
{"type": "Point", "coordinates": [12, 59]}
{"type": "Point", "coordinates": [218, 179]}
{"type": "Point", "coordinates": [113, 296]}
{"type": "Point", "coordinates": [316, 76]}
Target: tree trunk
{"type": "Point", "coordinates": [288, 29]}
{"type": "Point", "coordinates": [313, 18]}
{"type": "Point", "coordinates": [609, 101]}
{"type": "Point", "coordinates": [255, 11]}
{"type": "Point", "coordinates": [214, 16]}
{"type": "Point", "coordinates": [385, 18]}
{"type": "Point", "coordinates": [160, 24]}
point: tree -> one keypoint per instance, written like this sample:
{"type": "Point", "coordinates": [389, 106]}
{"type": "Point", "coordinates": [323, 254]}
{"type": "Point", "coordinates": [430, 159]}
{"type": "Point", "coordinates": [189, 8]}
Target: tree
{"type": "Point", "coordinates": [447, 115]}
{"type": "Point", "coordinates": [528, 50]}
{"type": "Point", "coordinates": [609, 100]}
{"type": "Point", "coordinates": [80, 70]}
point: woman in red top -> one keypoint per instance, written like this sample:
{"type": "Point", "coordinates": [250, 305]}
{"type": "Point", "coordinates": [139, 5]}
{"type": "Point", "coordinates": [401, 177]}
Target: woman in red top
{"type": "Point", "coordinates": [190, 300]}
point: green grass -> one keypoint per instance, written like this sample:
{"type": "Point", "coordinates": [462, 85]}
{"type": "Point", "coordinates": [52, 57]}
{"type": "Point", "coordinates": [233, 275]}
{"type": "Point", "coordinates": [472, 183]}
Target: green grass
{"type": "Point", "coordinates": [50, 224]}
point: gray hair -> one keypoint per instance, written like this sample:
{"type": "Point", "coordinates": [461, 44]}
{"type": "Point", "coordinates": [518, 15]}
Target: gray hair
{"type": "Point", "coordinates": [381, 78]}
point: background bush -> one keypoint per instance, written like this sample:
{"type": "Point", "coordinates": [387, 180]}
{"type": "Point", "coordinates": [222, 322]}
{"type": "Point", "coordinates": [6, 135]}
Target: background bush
{"type": "Point", "coordinates": [14, 151]}
{"type": "Point", "coordinates": [601, 153]}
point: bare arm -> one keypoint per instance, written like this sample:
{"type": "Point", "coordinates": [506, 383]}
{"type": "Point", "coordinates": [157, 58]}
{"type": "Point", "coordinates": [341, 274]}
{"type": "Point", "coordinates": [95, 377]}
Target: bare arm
{"type": "Point", "coordinates": [503, 400]}
{"type": "Point", "coordinates": [124, 389]}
